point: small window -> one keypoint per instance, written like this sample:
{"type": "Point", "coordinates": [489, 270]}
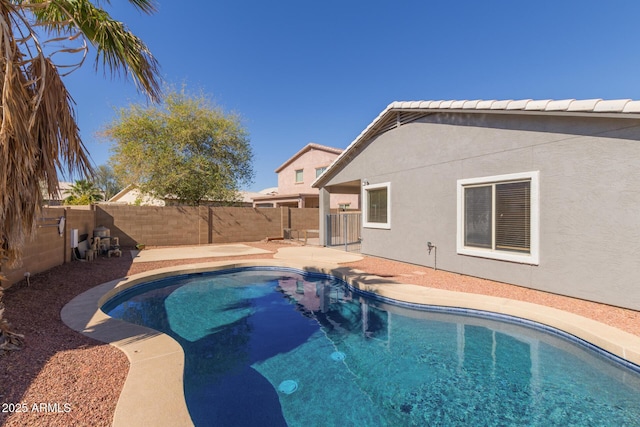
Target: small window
{"type": "Point", "coordinates": [319, 171]}
{"type": "Point", "coordinates": [299, 175]}
{"type": "Point", "coordinates": [377, 206]}
{"type": "Point", "coordinates": [498, 217]}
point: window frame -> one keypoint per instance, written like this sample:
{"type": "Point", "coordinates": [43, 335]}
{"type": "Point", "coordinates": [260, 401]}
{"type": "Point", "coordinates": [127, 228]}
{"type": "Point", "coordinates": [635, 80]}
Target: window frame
{"type": "Point", "coordinates": [533, 257]}
{"type": "Point", "coordinates": [301, 181]}
{"type": "Point", "coordinates": [365, 206]}
{"type": "Point", "coordinates": [320, 171]}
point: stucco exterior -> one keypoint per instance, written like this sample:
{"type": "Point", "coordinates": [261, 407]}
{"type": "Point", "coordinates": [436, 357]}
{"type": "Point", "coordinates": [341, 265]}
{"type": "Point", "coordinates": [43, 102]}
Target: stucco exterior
{"type": "Point", "coordinates": [295, 189]}
{"type": "Point", "coordinates": [310, 159]}
{"type": "Point", "coordinates": [131, 195]}
{"type": "Point", "coordinates": [588, 169]}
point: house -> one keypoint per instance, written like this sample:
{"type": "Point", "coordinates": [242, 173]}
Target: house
{"type": "Point", "coordinates": [58, 198]}
{"type": "Point", "coordinates": [543, 194]}
{"type": "Point", "coordinates": [131, 195]}
{"type": "Point", "coordinates": [295, 177]}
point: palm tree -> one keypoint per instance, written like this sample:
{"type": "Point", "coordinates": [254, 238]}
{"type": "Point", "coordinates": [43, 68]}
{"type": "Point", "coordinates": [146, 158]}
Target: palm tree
{"type": "Point", "coordinates": [38, 131]}
{"type": "Point", "coordinates": [83, 192]}
{"type": "Point", "coordinates": [38, 134]}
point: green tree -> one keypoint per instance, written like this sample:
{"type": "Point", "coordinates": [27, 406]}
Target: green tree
{"type": "Point", "coordinates": [39, 136]}
{"type": "Point", "coordinates": [105, 179]}
{"type": "Point", "coordinates": [186, 148]}
{"type": "Point", "coordinates": [83, 192]}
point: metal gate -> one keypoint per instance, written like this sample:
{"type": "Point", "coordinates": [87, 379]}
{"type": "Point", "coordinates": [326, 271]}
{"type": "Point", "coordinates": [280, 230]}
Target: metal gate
{"type": "Point", "coordinates": [343, 229]}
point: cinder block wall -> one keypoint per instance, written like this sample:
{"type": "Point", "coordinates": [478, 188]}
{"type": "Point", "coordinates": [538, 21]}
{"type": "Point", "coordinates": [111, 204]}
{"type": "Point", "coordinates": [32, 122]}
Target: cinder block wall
{"type": "Point", "coordinates": [176, 225]}
{"type": "Point", "coordinates": [48, 248]}
{"type": "Point", "coordinates": [155, 225]}
{"type": "Point", "coordinates": [304, 219]}
{"type": "Point", "coordinates": [245, 224]}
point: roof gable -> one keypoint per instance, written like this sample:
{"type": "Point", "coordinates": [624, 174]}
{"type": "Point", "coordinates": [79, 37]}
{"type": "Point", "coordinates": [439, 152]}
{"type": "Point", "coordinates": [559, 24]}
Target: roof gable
{"type": "Point", "coordinates": [120, 194]}
{"type": "Point", "coordinates": [402, 112]}
{"type": "Point", "coordinates": [306, 148]}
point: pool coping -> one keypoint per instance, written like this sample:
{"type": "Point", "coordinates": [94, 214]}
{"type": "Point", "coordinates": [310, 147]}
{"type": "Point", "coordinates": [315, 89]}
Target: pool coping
{"type": "Point", "coordinates": [153, 391]}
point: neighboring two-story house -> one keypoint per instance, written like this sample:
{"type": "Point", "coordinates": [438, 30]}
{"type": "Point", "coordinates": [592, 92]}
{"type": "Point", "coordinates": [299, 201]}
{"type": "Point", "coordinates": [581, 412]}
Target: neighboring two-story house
{"type": "Point", "coordinates": [295, 177]}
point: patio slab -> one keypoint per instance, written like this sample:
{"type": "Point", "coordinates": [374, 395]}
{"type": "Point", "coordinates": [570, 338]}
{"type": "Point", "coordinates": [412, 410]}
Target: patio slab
{"type": "Point", "coordinates": [316, 254]}
{"type": "Point", "coordinates": [188, 252]}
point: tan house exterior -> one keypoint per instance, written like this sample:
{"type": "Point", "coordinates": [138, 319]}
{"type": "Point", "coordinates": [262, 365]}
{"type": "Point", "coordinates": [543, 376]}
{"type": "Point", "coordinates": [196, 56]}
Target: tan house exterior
{"type": "Point", "coordinates": [131, 195]}
{"type": "Point", "coordinates": [296, 175]}
{"type": "Point", "coordinates": [58, 198]}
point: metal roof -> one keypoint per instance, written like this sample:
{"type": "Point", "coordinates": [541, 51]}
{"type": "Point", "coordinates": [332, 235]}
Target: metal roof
{"type": "Point", "coordinates": [400, 112]}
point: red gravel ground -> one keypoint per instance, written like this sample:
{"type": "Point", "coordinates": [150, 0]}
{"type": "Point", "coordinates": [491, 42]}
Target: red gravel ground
{"type": "Point", "coordinates": [62, 378]}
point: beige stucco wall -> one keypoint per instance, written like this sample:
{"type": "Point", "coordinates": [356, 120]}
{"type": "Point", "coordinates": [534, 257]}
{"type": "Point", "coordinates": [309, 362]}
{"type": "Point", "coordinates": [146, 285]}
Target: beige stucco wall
{"type": "Point", "coordinates": [133, 196]}
{"type": "Point", "coordinates": [309, 162]}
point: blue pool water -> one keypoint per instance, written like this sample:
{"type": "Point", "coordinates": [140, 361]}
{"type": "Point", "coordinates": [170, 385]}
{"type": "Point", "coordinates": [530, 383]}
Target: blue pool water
{"type": "Point", "coordinates": [278, 347]}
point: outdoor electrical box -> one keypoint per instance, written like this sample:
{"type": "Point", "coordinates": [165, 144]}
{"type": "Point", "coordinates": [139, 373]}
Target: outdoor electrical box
{"type": "Point", "coordinates": [74, 238]}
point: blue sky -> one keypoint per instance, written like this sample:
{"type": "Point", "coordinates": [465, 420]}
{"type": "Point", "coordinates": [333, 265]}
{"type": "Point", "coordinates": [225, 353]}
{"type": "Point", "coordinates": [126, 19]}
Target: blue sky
{"type": "Point", "coordinates": [302, 71]}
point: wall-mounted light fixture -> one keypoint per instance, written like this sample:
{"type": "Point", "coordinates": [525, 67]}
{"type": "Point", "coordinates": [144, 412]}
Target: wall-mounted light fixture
{"type": "Point", "coordinates": [60, 221]}
{"type": "Point", "coordinates": [431, 247]}
{"type": "Point", "coordinates": [365, 182]}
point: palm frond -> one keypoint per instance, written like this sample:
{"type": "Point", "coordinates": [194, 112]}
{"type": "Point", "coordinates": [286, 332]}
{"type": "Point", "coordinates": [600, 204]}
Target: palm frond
{"type": "Point", "coordinates": [145, 6]}
{"type": "Point", "coordinates": [38, 135]}
{"type": "Point", "coordinates": [38, 132]}
{"type": "Point", "coordinates": [117, 48]}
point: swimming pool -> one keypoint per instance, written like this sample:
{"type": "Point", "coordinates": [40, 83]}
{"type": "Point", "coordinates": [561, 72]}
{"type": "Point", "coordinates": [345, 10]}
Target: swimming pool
{"type": "Point", "coordinates": [266, 346]}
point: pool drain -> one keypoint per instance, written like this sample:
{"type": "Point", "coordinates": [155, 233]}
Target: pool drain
{"type": "Point", "coordinates": [338, 356]}
{"type": "Point", "coordinates": [288, 386]}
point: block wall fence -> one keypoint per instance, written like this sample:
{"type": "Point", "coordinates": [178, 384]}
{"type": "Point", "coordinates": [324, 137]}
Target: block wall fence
{"type": "Point", "coordinates": [154, 226]}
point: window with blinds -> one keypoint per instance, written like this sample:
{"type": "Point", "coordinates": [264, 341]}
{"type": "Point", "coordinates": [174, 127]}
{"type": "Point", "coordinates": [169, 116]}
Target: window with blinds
{"type": "Point", "coordinates": [498, 216]}
{"type": "Point", "coordinates": [513, 216]}
{"type": "Point", "coordinates": [376, 209]}
{"type": "Point", "coordinates": [377, 205]}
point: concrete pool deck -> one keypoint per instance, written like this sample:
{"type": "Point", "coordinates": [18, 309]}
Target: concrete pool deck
{"type": "Point", "coordinates": [153, 393]}
{"type": "Point", "coordinates": [189, 252]}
